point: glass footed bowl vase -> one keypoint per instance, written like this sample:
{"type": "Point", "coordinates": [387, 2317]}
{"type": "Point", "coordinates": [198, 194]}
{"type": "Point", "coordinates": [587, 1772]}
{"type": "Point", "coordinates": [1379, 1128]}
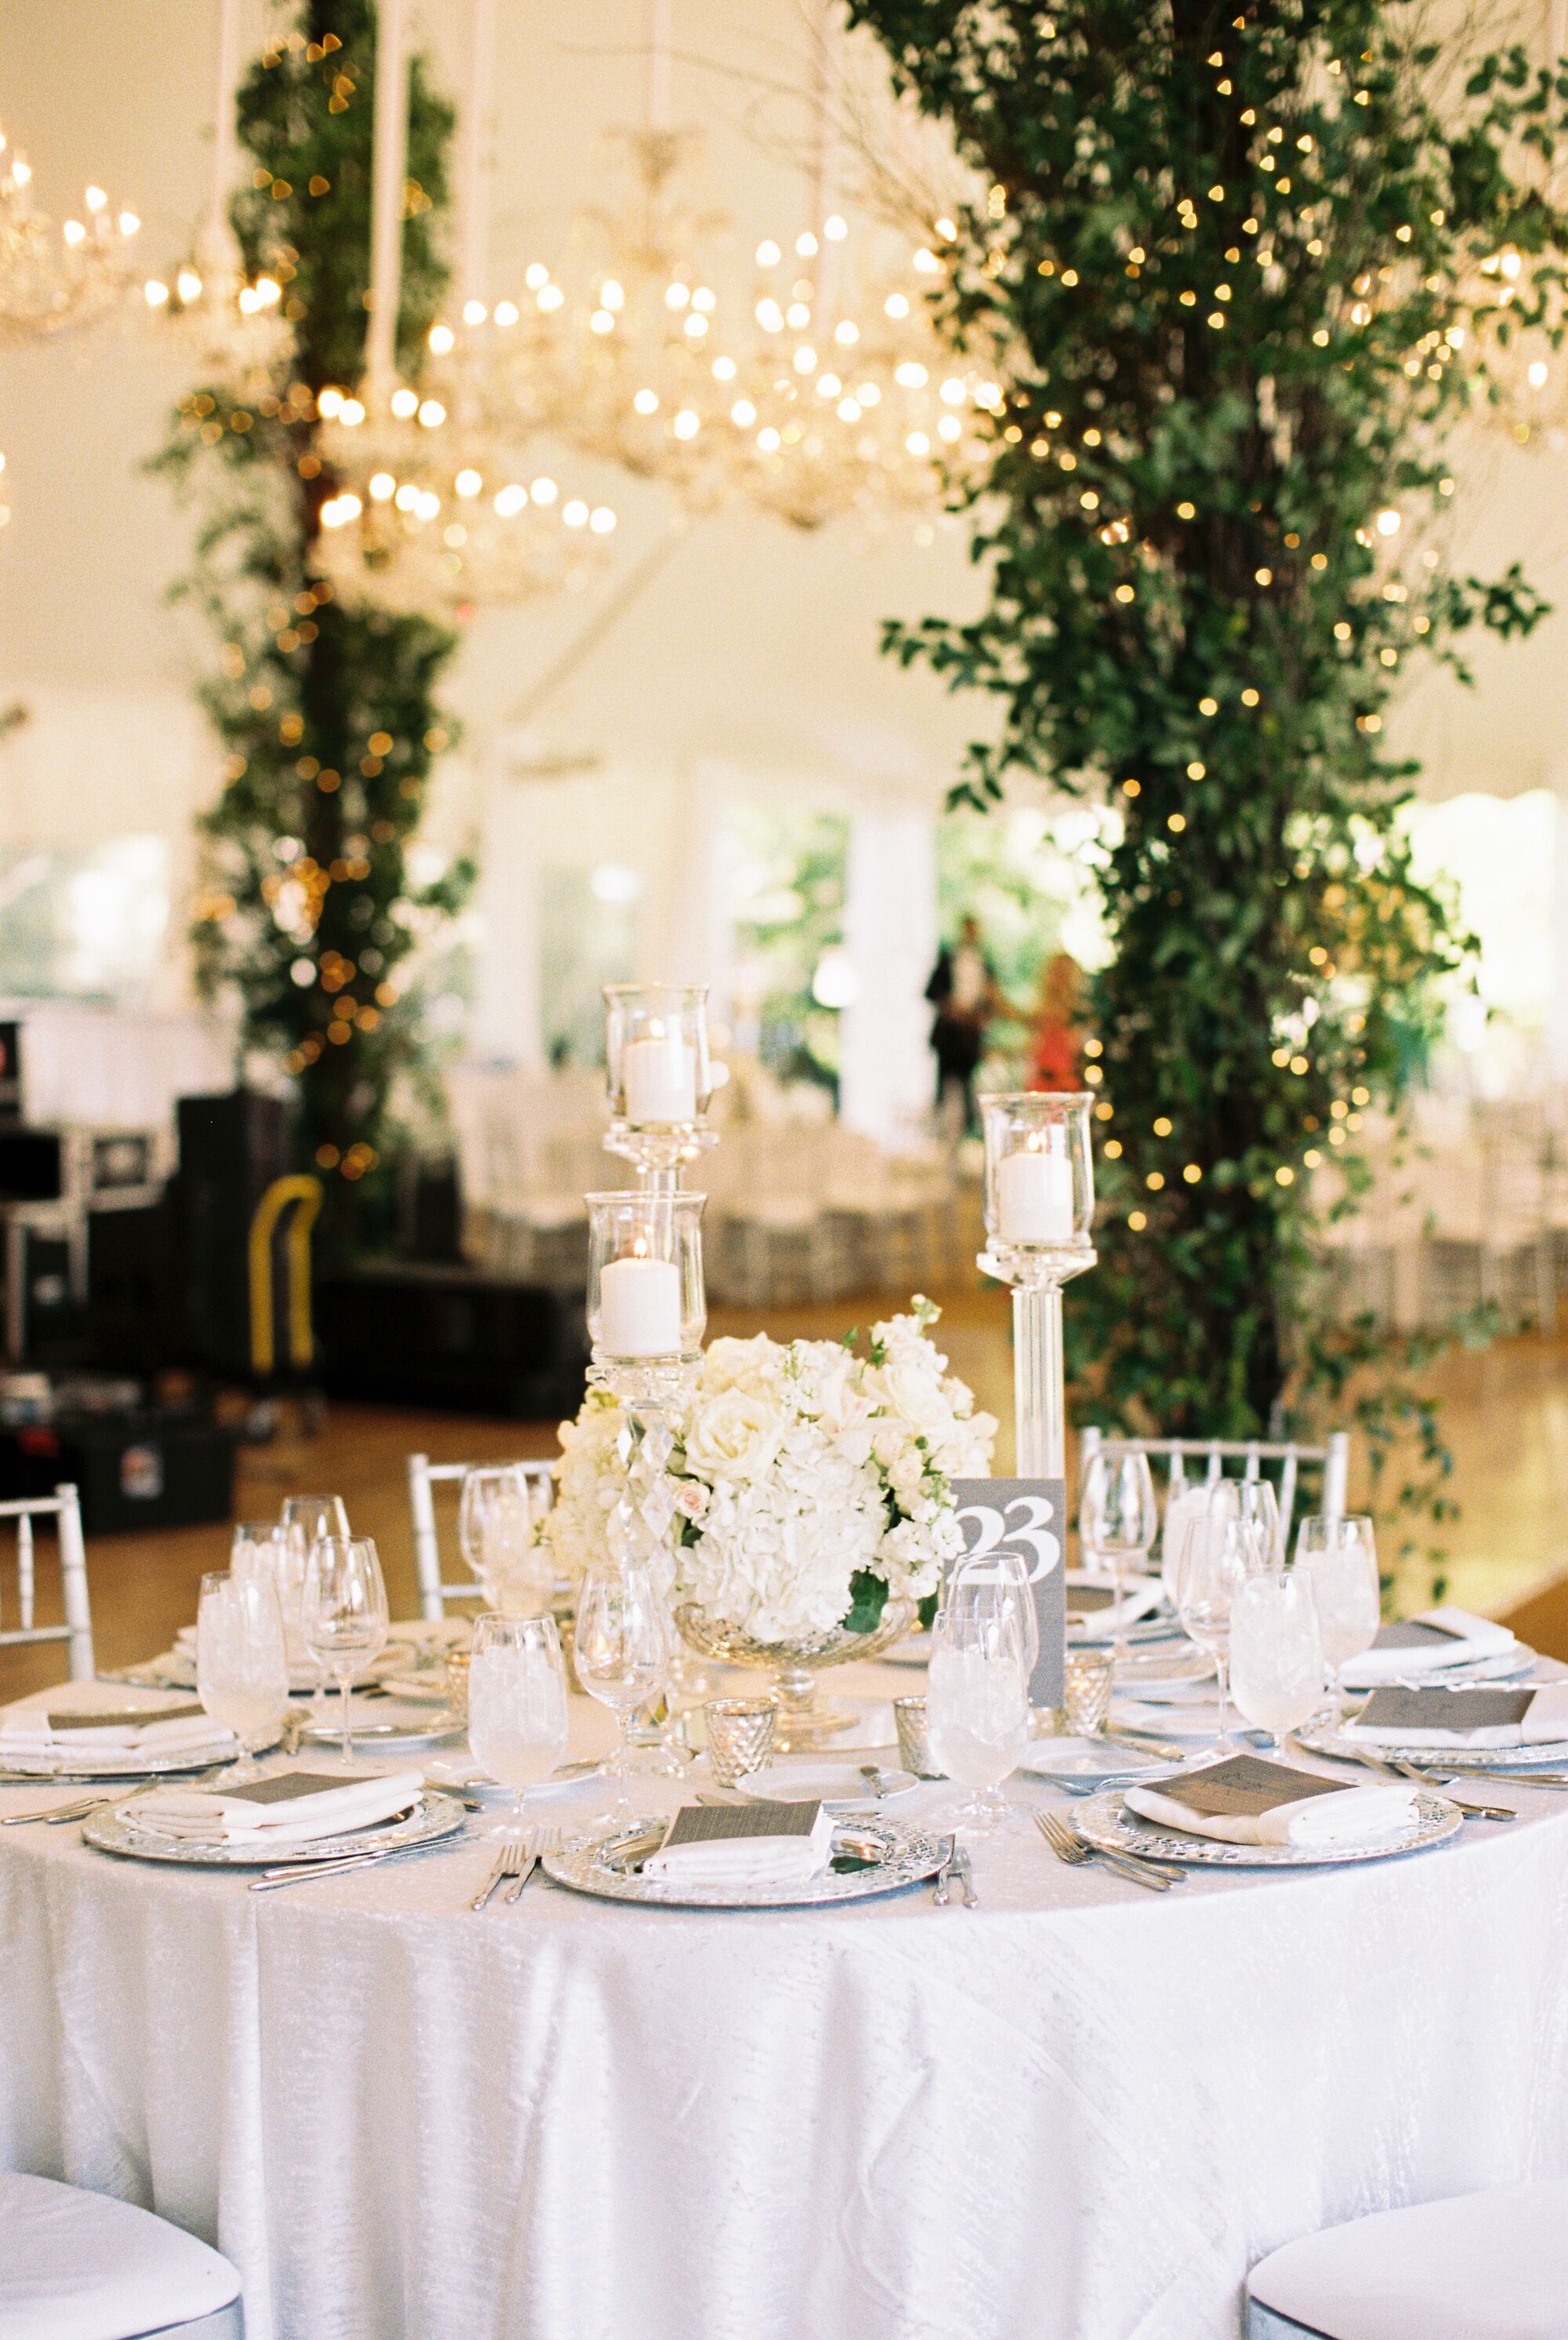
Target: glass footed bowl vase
{"type": "Point", "coordinates": [805, 1719]}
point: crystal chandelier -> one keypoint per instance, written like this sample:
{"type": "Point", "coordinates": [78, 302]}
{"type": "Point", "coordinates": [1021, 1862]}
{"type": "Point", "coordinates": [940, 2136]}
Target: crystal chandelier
{"type": "Point", "coordinates": [49, 283]}
{"type": "Point", "coordinates": [434, 499]}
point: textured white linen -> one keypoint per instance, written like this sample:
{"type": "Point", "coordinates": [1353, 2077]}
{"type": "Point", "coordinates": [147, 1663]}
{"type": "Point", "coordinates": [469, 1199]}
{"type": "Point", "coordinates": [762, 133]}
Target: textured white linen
{"type": "Point", "coordinates": [1467, 1637]}
{"type": "Point", "coordinates": [571, 2121]}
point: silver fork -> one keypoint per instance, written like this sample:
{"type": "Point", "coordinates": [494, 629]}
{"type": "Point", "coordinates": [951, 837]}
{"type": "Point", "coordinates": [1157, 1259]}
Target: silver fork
{"type": "Point", "coordinates": [1072, 1848]}
{"type": "Point", "coordinates": [508, 1863]}
{"type": "Point", "coordinates": [945, 1873]}
{"type": "Point", "coordinates": [536, 1843]}
{"type": "Point", "coordinates": [1472, 1812]}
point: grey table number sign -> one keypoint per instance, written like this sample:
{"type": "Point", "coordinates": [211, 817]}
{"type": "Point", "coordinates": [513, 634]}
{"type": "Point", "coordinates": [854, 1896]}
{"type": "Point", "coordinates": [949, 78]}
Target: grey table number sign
{"type": "Point", "coordinates": [1028, 1517]}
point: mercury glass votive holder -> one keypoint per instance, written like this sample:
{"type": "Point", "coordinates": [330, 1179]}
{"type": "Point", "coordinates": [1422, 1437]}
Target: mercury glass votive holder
{"type": "Point", "coordinates": [1087, 1692]}
{"type": "Point", "coordinates": [740, 1734]}
{"type": "Point", "coordinates": [914, 1747]}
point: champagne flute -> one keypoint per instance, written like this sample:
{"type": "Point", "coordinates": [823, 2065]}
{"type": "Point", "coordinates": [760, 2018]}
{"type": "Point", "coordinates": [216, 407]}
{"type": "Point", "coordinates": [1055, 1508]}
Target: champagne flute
{"type": "Point", "coordinates": [517, 1712]}
{"type": "Point", "coordinates": [241, 1667]}
{"type": "Point", "coordinates": [623, 1652]}
{"type": "Point", "coordinates": [978, 1691]}
{"type": "Point", "coordinates": [344, 1615]}
{"type": "Point", "coordinates": [1275, 1651]}
{"type": "Point", "coordinates": [1118, 1519]}
{"type": "Point", "coordinates": [1339, 1557]}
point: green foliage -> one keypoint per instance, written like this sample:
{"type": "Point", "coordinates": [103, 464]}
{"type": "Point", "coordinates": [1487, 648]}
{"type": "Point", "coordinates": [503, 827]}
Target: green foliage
{"type": "Point", "coordinates": [328, 713]}
{"type": "Point", "coordinates": [1226, 266]}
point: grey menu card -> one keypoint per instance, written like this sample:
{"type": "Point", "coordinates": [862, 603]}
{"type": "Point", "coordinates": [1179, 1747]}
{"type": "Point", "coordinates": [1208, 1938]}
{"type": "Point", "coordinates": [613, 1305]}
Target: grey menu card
{"type": "Point", "coordinates": [1413, 1635]}
{"type": "Point", "coordinates": [733, 1823]}
{"type": "Point", "coordinates": [1025, 1517]}
{"type": "Point", "coordinates": [289, 1787]}
{"type": "Point", "coordinates": [1245, 1785]}
{"type": "Point", "coordinates": [122, 1718]}
{"type": "Point", "coordinates": [1444, 1709]}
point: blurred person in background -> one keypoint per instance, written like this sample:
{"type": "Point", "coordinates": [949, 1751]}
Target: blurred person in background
{"type": "Point", "coordinates": [964, 993]}
{"type": "Point", "coordinates": [1057, 1043]}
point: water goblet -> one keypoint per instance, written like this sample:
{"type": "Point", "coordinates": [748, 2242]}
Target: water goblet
{"type": "Point", "coordinates": [344, 1615]}
{"type": "Point", "coordinates": [1259, 1503]}
{"type": "Point", "coordinates": [621, 1651]}
{"type": "Point", "coordinates": [1276, 1664]}
{"type": "Point", "coordinates": [1339, 1557]}
{"type": "Point", "coordinates": [241, 1665]}
{"type": "Point", "coordinates": [517, 1711]}
{"type": "Point", "coordinates": [305, 1518]}
{"type": "Point", "coordinates": [1118, 1520]}
{"type": "Point", "coordinates": [978, 1692]}
{"type": "Point", "coordinates": [495, 1529]}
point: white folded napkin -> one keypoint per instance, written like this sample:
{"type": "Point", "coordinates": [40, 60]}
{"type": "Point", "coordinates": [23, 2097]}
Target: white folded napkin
{"type": "Point", "coordinates": [1427, 1644]}
{"type": "Point", "coordinates": [1479, 1718]}
{"type": "Point", "coordinates": [289, 1808]}
{"type": "Point", "coordinates": [1246, 1799]}
{"type": "Point", "coordinates": [94, 1718]}
{"type": "Point", "coordinates": [1141, 1597]}
{"type": "Point", "coordinates": [742, 1845]}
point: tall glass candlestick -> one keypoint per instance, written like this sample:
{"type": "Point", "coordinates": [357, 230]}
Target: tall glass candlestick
{"type": "Point", "coordinates": [1039, 1209]}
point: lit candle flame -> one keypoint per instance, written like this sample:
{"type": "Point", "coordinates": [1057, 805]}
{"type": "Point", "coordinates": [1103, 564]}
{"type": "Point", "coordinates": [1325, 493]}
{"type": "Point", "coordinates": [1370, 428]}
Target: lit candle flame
{"type": "Point", "coordinates": [639, 1248]}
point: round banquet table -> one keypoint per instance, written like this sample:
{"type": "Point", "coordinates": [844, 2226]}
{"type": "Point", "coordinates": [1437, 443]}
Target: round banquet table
{"type": "Point", "coordinates": [1080, 2112]}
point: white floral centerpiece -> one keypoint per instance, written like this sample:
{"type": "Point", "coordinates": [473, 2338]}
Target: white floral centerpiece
{"type": "Point", "coordinates": [811, 1479]}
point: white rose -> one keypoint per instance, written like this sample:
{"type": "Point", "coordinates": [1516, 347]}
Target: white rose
{"type": "Point", "coordinates": [734, 1435]}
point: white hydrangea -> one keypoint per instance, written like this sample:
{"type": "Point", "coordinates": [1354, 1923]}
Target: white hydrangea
{"type": "Point", "coordinates": [795, 1468]}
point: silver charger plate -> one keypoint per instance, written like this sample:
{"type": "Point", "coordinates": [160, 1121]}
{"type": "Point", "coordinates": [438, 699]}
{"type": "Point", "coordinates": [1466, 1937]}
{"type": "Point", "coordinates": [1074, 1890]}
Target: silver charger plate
{"type": "Point", "coordinates": [431, 1817]}
{"type": "Point", "coordinates": [911, 1856]}
{"type": "Point", "coordinates": [62, 1764]}
{"type": "Point", "coordinates": [1324, 1741]}
{"type": "Point", "coordinates": [1104, 1821]}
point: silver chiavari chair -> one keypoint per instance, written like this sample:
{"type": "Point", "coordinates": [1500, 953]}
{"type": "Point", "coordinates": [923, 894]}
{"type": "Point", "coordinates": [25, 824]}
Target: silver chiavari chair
{"type": "Point", "coordinates": [76, 1633]}
{"type": "Point", "coordinates": [1206, 1459]}
{"type": "Point", "coordinates": [424, 1477]}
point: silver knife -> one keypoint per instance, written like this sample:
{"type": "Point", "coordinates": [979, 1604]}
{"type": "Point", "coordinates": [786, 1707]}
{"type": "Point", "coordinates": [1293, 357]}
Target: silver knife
{"type": "Point", "coordinates": [966, 1877]}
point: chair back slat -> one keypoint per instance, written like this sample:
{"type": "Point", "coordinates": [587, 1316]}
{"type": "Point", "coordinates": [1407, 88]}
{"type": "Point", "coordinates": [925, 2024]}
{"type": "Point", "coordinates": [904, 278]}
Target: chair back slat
{"type": "Point", "coordinates": [64, 1508]}
{"type": "Point", "coordinates": [424, 1477]}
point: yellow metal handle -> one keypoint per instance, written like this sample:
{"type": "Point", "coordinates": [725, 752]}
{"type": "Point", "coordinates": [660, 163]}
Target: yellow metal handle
{"type": "Point", "coordinates": [307, 1193]}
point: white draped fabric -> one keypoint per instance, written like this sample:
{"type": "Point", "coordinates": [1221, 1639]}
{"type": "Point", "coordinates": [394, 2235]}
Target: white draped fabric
{"type": "Point", "coordinates": [1080, 2112]}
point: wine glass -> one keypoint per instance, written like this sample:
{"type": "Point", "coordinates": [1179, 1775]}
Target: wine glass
{"type": "Point", "coordinates": [241, 1667]}
{"type": "Point", "coordinates": [1339, 1556]}
{"type": "Point", "coordinates": [495, 1529]}
{"type": "Point", "coordinates": [623, 1652]}
{"type": "Point", "coordinates": [305, 1518]}
{"type": "Point", "coordinates": [977, 1691]}
{"type": "Point", "coordinates": [1118, 1520]}
{"type": "Point", "coordinates": [1218, 1553]}
{"type": "Point", "coordinates": [1275, 1651]}
{"type": "Point", "coordinates": [517, 1715]}
{"type": "Point", "coordinates": [344, 1614]}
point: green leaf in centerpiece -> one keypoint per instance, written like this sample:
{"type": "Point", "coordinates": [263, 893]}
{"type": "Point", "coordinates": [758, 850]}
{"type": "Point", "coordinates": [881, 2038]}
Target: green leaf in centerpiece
{"type": "Point", "coordinates": [867, 1598]}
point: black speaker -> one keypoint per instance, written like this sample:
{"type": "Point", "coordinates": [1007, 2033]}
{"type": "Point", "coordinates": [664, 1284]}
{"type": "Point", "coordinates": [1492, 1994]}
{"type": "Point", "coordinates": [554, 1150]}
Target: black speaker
{"type": "Point", "coordinates": [452, 1338]}
{"type": "Point", "coordinates": [45, 1322]}
{"type": "Point", "coordinates": [136, 1312]}
{"type": "Point", "coordinates": [232, 1148]}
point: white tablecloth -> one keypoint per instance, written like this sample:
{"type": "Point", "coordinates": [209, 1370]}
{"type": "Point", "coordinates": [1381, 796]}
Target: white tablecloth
{"type": "Point", "coordinates": [1080, 2112]}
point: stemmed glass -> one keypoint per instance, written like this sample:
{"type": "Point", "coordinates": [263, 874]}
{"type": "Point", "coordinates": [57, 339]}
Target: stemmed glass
{"type": "Point", "coordinates": [305, 1518]}
{"type": "Point", "coordinates": [1216, 1555]}
{"type": "Point", "coordinates": [1260, 1504]}
{"type": "Point", "coordinates": [517, 1715]}
{"type": "Point", "coordinates": [344, 1615]}
{"type": "Point", "coordinates": [623, 1652]}
{"type": "Point", "coordinates": [495, 1530]}
{"type": "Point", "coordinates": [1275, 1651]}
{"type": "Point", "coordinates": [977, 1691]}
{"type": "Point", "coordinates": [1339, 1558]}
{"type": "Point", "coordinates": [1118, 1520]}
{"type": "Point", "coordinates": [241, 1665]}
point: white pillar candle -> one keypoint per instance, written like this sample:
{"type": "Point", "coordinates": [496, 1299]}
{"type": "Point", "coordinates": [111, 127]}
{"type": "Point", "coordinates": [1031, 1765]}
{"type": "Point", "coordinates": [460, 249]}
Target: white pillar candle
{"type": "Point", "coordinates": [1035, 1196]}
{"type": "Point", "coordinates": [640, 1307]}
{"type": "Point", "coordinates": [659, 1075]}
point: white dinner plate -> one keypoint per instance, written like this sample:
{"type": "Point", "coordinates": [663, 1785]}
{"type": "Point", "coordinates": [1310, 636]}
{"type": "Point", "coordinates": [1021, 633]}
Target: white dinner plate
{"type": "Point", "coordinates": [431, 1817]}
{"type": "Point", "coordinates": [1087, 1762]}
{"type": "Point", "coordinates": [789, 1782]}
{"type": "Point", "coordinates": [1105, 1822]}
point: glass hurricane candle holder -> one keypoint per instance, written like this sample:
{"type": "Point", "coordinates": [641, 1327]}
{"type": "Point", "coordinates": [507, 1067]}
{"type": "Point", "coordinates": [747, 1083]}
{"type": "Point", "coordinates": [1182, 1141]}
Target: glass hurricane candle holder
{"type": "Point", "coordinates": [660, 1075]}
{"type": "Point", "coordinates": [646, 1305]}
{"type": "Point", "coordinates": [1039, 1212]}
